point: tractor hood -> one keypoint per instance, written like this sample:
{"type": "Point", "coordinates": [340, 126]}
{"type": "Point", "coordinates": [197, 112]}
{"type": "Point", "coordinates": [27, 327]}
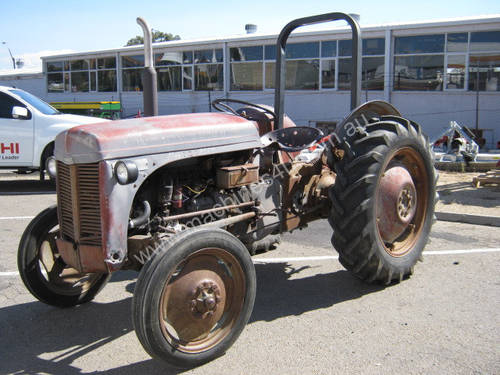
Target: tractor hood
{"type": "Point", "coordinates": [154, 135]}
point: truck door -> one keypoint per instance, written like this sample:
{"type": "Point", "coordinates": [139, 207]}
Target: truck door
{"type": "Point", "coordinates": [16, 135]}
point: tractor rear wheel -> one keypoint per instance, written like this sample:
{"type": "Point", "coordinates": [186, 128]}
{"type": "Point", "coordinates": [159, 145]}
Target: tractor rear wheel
{"type": "Point", "coordinates": [194, 297]}
{"type": "Point", "coordinates": [383, 199]}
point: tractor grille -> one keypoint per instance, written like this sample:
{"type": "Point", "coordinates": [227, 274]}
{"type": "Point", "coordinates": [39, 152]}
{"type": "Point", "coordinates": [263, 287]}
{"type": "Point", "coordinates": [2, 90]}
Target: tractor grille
{"type": "Point", "coordinates": [78, 200]}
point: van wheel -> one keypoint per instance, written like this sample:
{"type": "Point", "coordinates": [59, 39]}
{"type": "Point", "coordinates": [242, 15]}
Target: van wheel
{"type": "Point", "coordinates": [47, 152]}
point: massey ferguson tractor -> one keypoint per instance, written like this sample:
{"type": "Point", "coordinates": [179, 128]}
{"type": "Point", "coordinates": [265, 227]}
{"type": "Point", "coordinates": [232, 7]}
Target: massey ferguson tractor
{"type": "Point", "coordinates": [187, 199]}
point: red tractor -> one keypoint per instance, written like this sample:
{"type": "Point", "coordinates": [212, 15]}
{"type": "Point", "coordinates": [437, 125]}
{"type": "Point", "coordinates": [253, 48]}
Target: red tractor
{"type": "Point", "coordinates": [187, 199]}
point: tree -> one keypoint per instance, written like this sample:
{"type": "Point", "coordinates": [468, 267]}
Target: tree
{"type": "Point", "coordinates": [157, 36]}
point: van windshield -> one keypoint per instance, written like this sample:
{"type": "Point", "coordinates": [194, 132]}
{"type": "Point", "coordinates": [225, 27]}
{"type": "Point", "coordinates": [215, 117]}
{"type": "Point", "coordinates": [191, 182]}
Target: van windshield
{"type": "Point", "coordinates": [39, 104]}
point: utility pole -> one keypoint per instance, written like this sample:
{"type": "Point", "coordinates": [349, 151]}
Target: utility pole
{"type": "Point", "coordinates": [477, 98]}
{"type": "Point", "coordinates": [12, 57]}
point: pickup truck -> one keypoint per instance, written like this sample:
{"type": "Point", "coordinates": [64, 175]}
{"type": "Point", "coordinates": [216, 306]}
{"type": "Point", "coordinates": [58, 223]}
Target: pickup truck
{"type": "Point", "coordinates": [28, 127]}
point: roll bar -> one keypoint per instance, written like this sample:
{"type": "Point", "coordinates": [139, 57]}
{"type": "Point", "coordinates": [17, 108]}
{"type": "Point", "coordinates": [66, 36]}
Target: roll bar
{"type": "Point", "coordinates": [279, 85]}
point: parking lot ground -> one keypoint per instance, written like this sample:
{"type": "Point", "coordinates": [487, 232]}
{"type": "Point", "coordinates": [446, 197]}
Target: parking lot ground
{"type": "Point", "coordinates": [310, 316]}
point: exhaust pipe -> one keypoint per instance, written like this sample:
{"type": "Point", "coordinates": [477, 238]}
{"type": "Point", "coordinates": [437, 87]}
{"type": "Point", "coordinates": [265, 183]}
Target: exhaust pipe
{"type": "Point", "coordinates": [149, 85]}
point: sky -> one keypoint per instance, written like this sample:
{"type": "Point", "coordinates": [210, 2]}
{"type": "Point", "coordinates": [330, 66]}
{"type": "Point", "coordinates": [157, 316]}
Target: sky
{"type": "Point", "coordinates": [34, 28]}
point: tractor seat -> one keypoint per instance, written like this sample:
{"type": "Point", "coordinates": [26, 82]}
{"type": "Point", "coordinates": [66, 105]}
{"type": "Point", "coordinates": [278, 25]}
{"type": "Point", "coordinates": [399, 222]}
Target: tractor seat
{"type": "Point", "coordinates": [295, 138]}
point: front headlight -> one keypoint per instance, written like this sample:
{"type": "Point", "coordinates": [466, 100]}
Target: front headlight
{"type": "Point", "coordinates": [51, 166]}
{"type": "Point", "coordinates": [126, 172]}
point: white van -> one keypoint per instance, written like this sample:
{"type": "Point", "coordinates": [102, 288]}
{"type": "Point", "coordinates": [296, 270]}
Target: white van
{"type": "Point", "coordinates": [28, 127]}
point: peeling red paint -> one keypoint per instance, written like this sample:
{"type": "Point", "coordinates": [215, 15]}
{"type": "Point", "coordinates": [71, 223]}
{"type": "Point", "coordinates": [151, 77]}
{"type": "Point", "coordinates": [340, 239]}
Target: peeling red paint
{"type": "Point", "coordinates": [125, 127]}
{"type": "Point", "coordinates": [94, 142]}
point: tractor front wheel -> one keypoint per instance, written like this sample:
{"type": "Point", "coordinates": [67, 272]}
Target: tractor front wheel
{"type": "Point", "coordinates": [194, 297]}
{"type": "Point", "coordinates": [43, 270]}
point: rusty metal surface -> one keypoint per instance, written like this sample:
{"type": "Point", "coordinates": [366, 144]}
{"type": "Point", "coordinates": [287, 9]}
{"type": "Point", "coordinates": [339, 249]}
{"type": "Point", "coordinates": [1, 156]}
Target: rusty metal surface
{"type": "Point", "coordinates": [228, 221]}
{"type": "Point", "coordinates": [208, 211]}
{"type": "Point", "coordinates": [201, 300]}
{"type": "Point", "coordinates": [84, 258]}
{"type": "Point", "coordinates": [79, 203]}
{"type": "Point", "coordinates": [64, 197]}
{"type": "Point", "coordinates": [305, 193]}
{"type": "Point", "coordinates": [79, 210]}
{"type": "Point", "coordinates": [92, 259]}
{"type": "Point", "coordinates": [401, 220]}
{"type": "Point", "coordinates": [237, 175]}
{"type": "Point", "coordinates": [397, 202]}
{"type": "Point", "coordinates": [154, 135]}
{"type": "Point", "coordinates": [68, 254]}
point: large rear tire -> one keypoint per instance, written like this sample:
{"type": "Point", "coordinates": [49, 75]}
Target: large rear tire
{"type": "Point", "coordinates": [194, 297]}
{"type": "Point", "coordinates": [383, 199]}
{"type": "Point", "coordinates": [44, 272]}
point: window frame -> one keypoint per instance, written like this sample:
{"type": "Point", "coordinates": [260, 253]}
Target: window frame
{"type": "Point", "coordinates": [91, 70]}
{"type": "Point", "coordinates": [395, 55]}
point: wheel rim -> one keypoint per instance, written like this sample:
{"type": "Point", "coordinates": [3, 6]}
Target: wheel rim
{"type": "Point", "coordinates": [57, 276]}
{"type": "Point", "coordinates": [202, 300]}
{"type": "Point", "coordinates": [401, 201]}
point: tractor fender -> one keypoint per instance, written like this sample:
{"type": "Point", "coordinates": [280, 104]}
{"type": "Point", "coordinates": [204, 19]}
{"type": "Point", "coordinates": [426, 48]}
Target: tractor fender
{"type": "Point", "coordinates": [359, 118]}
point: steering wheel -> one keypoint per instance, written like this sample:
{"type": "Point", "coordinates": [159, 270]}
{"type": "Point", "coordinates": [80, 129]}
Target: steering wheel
{"type": "Point", "coordinates": [220, 105]}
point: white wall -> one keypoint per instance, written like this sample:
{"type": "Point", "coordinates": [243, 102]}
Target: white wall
{"type": "Point", "coordinates": [432, 110]}
{"type": "Point", "coordinates": [32, 84]}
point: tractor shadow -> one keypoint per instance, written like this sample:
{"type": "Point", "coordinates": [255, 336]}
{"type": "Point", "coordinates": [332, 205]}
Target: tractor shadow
{"type": "Point", "coordinates": [281, 291]}
{"type": "Point", "coordinates": [30, 186]}
{"type": "Point", "coordinates": [36, 338]}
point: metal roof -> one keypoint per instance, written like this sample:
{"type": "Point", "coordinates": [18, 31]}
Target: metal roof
{"type": "Point", "coordinates": [486, 19]}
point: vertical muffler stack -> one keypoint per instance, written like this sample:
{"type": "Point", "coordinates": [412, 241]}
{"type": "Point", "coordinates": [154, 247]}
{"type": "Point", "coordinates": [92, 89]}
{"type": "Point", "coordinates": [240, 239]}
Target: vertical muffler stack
{"type": "Point", "coordinates": [149, 85]}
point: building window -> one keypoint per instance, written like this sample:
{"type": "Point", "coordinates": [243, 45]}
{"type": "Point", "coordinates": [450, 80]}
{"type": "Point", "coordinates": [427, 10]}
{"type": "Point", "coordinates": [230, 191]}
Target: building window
{"type": "Point", "coordinates": [169, 71]}
{"type": "Point", "coordinates": [106, 80]}
{"type": "Point", "coordinates": [457, 42]}
{"type": "Point", "coordinates": [456, 48]}
{"type": "Point", "coordinates": [484, 72]}
{"type": "Point", "coordinates": [246, 68]}
{"type": "Point", "coordinates": [106, 74]}
{"type": "Point", "coordinates": [82, 75]}
{"type": "Point", "coordinates": [484, 68]}
{"type": "Point", "coordinates": [187, 78]}
{"type": "Point", "coordinates": [169, 78]}
{"type": "Point", "coordinates": [455, 72]}
{"type": "Point", "coordinates": [328, 74]}
{"type": "Point", "coordinates": [246, 76]}
{"type": "Point", "coordinates": [309, 66]}
{"type": "Point", "coordinates": [372, 64]}
{"type": "Point", "coordinates": [302, 66]}
{"type": "Point", "coordinates": [55, 82]}
{"type": "Point", "coordinates": [80, 81]}
{"type": "Point", "coordinates": [485, 41]}
{"type": "Point", "coordinates": [419, 62]}
{"type": "Point", "coordinates": [328, 63]}
{"type": "Point", "coordinates": [418, 73]}
{"type": "Point", "coordinates": [208, 70]}
{"type": "Point", "coordinates": [208, 77]}
{"type": "Point", "coordinates": [300, 74]}
{"type": "Point", "coordinates": [472, 61]}
{"type": "Point", "coordinates": [132, 67]}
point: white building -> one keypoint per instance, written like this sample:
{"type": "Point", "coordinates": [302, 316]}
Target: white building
{"type": "Point", "coordinates": [433, 72]}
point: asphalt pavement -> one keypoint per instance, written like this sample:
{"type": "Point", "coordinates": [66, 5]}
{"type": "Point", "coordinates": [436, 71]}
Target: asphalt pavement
{"type": "Point", "coordinates": [311, 316]}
